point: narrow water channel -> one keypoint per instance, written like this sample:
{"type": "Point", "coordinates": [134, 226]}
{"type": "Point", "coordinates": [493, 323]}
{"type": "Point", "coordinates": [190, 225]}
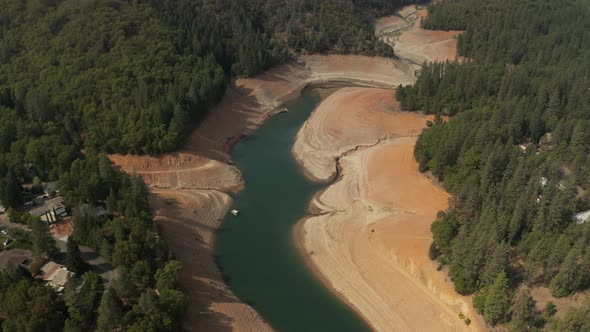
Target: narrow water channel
{"type": "Point", "coordinates": [256, 251]}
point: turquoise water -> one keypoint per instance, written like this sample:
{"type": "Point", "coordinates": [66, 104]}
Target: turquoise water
{"type": "Point", "coordinates": [256, 251]}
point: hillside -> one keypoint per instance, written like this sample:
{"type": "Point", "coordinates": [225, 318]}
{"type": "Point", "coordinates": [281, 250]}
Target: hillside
{"type": "Point", "coordinates": [82, 78]}
{"type": "Point", "coordinates": [515, 155]}
{"type": "Point", "coordinates": [133, 77]}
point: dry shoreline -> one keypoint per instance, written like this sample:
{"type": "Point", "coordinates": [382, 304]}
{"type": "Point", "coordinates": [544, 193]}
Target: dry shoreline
{"type": "Point", "coordinates": [368, 238]}
{"type": "Point", "coordinates": [298, 236]}
{"type": "Point", "coordinates": [339, 242]}
{"type": "Point", "coordinates": [181, 182]}
{"type": "Point", "coordinates": [199, 176]}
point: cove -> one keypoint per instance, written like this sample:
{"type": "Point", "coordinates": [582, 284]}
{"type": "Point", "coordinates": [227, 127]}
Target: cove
{"type": "Point", "coordinates": [255, 251]}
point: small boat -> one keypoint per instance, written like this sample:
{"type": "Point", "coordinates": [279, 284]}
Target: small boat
{"type": "Point", "coordinates": [234, 212]}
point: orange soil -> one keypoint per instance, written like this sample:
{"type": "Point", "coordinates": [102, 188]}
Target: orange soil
{"type": "Point", "coordinates": [183, 170]}
{"type": "Point", "coordinates": [204, 166]}
{"type": "Point", "coordinates": [370, 241]}
{"type": "Point", "coordinates": [417, 45]}
{"type": "Point", "coordinates": [187, 182]}
{"type": "Point", "coordinates": [321, 141]}
{"type": "Point", "coordinates": [62, 229]}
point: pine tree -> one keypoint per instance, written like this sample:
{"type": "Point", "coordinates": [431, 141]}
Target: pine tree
{"type": "Point", "coordinates": [497, 263]}
{"type": "Point", "coordinates": [109, 312]}
{"type": "Point", "coordinates": [43, 241]}
{"type": "Point", "coordinates": [569, 278]}
{"type": "Point", "coordinates": [523, 312]}
{"type": "Point", "coordinates": [168, 277]}
{"type": "Point", "coordinates": [11, 191]}
{"type": "Point", "coordinates": [74, 260]}
{"type": "Point", "coordinates": [497, 300]}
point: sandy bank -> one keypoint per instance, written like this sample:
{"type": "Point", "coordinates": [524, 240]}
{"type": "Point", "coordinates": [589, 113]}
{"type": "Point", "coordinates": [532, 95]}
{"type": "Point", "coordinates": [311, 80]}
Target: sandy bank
{"type": "Point", "coordinates": [331, 133]}
{"type": "Point", "coordinates": [196, 176]}
{"type": "Point", "coordinates": [250, 101]}
{"type": "Point", "coordinates": [204, 166]}
{"type": "Point", "coordinates": [414, 44]}
{"type": "Point", "coordinates": [370, 236]}
{"type": "Point", "coordinates": [370, 241]}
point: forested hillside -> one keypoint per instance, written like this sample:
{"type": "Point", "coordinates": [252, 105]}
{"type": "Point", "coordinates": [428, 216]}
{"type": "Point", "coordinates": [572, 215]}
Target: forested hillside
{"type": "Point", "coordinates": [82, 78]}
{"type": "Point", "coordinates": [134, 76]}
{"type": "Point", "coordinates": [515, 154]}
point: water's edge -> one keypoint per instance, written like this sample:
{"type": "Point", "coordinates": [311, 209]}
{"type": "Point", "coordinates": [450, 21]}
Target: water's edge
{"type": "Point", "coordinates": [276, 279]}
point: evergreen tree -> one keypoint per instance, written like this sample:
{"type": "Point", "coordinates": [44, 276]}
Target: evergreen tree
{"type": "Point", "coordinates": [109, 312]}
{"type": "Point", "coordinates": [570, 276]}
{"type": "Point", "coordinates": [82, 295]}
{"type": "Point", "coordinates": [497, 300]}
{"type": "Point", "coordinates": [20, 297]}
{"type": "Point", "coordinates": [74, 260]}
{"type": "Point", "coordinates": [11, 191]}
{"type": "Point", "coordinates": [497, 264]}
{"type": "Point", "coordinates": [168, 277]}
{"type": "Point", "coordinates": [43, 242]}
{"type": "Point", "coordinates": [523, 312]}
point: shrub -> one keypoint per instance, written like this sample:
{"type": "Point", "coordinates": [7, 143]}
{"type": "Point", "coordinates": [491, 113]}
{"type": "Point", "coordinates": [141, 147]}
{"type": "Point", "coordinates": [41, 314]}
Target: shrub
{"type": "Point", "coordinates": [549, 309]}
{"type": "Point", "coordinates": [433, 251]}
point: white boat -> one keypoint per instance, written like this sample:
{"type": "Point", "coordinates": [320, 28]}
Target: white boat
{"type": "Point", "coordinates": [234, 212]}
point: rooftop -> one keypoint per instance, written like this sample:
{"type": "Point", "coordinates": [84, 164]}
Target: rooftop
{"type": "Point", "coordinates": [47, 205]}
{"type": "Point", "coordinates": [56, 275]}
{"type": "Point", "coordinates": [50, 210]}
{"type": "Point", "coordinates": [13, 258]}
{"type": "Point", "coordinates": [51, 187]}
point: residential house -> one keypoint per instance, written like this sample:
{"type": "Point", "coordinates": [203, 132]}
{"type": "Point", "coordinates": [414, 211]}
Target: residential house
{"type": "Point", "coordinates": [56, 275]}
{"type": "Point", "coordinates": [51, 189]}
{"type": "Point", "coordinates": [51, 210]}
{"type": "Point", "coordinates": [16, 257]}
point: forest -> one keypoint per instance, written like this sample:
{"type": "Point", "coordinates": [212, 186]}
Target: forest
{"type": "Point", "coordinates": [514, 154]}
{"type": "Point", "coordinates": [81, 79]}
{"type": "Point", "coordinates": [135, 76]}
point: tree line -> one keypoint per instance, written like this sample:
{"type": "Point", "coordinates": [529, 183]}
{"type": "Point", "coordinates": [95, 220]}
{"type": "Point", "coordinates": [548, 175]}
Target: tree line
{"type": "Point", "coordinates": [515, 154]}
{"type": "Point", "coordinates": [79, 79]}
{"type": "Point", "coordinates": [134, 76]}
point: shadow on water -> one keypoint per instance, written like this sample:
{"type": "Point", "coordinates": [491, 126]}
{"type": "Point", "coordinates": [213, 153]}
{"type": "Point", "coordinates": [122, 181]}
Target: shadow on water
{"type": "Point", "coordinates": [255, 250]}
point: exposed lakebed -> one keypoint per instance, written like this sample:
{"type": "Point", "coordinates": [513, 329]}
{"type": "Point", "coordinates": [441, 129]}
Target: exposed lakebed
{"type": "Point", "coordinates": [256, 251]}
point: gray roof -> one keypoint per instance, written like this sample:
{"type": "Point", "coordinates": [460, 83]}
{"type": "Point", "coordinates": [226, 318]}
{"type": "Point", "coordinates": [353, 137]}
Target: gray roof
{"type": "Point", "coordinates": [47, 206]}
{"type": "Point", "coordinates": [51, 187]}
{"type": "Point", "coordinates": [13, 258]}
